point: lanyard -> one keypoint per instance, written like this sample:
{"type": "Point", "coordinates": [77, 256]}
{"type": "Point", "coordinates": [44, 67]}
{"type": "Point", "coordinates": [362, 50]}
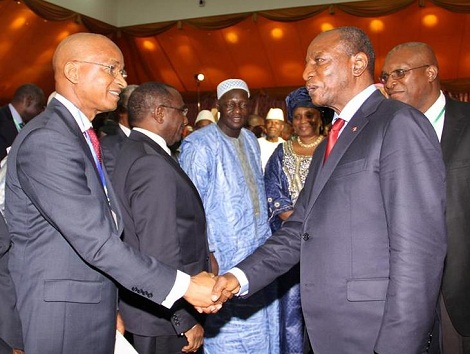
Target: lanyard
{"type": "Point", "coordinates": [97, 163]}
{"type": "Point", "coordinates": [18, 125]}
{"type": "Point", "coordinates": [439, 116]}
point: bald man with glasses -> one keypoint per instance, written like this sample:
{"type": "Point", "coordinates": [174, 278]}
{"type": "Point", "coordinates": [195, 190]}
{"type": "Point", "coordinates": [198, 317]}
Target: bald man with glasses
{"type": "Point", "coordinates": [411, 74]}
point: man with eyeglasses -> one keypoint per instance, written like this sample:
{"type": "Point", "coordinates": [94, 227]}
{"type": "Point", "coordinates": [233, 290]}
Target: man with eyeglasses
{"type": "Point", "coordinates": [223, 161]}
{"type": "Point", "coordinates": [163, 217]}
{"type": "Point", "coordinates": [451, 120]}
{"type": "Point", "coordinates": [368, 227]}
{"type": "Point", "coordinates": [64, 219]}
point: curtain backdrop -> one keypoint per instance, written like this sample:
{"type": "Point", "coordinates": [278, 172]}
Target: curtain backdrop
{"type": "Point", "coordinates": [263, 99]}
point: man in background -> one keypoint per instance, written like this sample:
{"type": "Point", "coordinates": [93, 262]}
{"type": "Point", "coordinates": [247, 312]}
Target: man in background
{"type": "Point", "coordinates": [274, 127]}
{"type": "Point", "coordinates": [203, 118]}
{"type": "Point", "coordinates": [411, 74]}
{"type": "Point", "coordinates": [163, 217]}
{"type": "Point", "coordinates": [256, 124]}
{"type": "Point", "coordinates": [223, 161]}
{"type": "Point", "coordinates": [111, 143]}
{"type": "Point", "coordinates": [27, 102]}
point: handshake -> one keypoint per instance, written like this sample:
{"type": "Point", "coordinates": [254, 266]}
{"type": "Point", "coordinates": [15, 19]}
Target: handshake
{"type": "Point", "coordinates": [207, 292]}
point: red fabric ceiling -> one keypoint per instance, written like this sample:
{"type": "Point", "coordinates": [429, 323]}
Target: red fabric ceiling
{"type": "Point", "coordinates": [269, 55]}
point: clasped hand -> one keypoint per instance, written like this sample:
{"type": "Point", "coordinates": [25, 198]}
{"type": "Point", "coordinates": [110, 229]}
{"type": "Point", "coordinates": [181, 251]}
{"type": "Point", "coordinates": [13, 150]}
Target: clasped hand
{"type": "Point", "coordinates": [207, 292]}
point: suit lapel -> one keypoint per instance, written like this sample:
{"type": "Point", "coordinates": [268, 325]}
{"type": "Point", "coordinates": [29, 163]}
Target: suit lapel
{"type": "Point", "coordinates": [72, 125]}
{"type": "Point", "coordinates": [136, 135]}
{"type": "Point", "coordinates": [454, 123]}
{"type": "Point", "coordinates": [347, 137]}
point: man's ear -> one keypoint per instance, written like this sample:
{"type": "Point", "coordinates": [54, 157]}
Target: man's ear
{"type": "Point", "coordinates": [431, 72]}
{"type": "Point", "coordinates": [71, 72]}
{"type": "Point", "coordinates": [27, 101]}
{"type": "Point", "coordinates": [159, 114]}
{"type": "Point", "coordinates": [360, 63]}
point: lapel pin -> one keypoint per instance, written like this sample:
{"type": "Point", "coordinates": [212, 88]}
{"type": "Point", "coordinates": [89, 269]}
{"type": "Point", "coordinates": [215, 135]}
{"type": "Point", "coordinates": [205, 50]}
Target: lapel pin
{"type": "Point", "coordinates": [354, 129]}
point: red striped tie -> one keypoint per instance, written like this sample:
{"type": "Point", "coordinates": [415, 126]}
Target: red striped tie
{"type": "Point", "coordinates": [333, 136]}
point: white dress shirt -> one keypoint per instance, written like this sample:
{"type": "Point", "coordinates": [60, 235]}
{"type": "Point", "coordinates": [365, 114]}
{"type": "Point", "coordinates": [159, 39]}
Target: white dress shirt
{"type": "Point", "coordinates": [436, 114]}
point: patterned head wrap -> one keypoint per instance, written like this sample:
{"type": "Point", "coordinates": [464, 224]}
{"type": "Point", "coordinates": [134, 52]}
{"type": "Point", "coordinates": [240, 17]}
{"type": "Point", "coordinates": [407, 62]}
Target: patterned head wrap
{"type": "Point", "coordinates": [298, 98]}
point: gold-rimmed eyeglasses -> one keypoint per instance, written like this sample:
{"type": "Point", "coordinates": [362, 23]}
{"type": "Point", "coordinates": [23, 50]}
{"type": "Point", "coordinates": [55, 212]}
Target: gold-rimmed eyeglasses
{"type": "Point", "coordinates": [398, 74]}
{"type": "Point", "coordinates": [112, 69]}
{"type": "Point", "coordinates": [184, 110]}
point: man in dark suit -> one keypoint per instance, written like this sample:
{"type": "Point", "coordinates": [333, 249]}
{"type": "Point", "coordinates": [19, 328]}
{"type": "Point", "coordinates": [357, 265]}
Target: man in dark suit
{"type": "Point", "coordinates": [111, 143]}
{"type": "Point", "coordinates": [10, 326]}
{"type": "Point", "coordinates": [368, 227]}
{"type": "Point", "coordinates": [163, 217]}
{"type": "Point", "coordinates": [27, 102]}
{"type": "Point", "coordinates": [64, 219]}
{"type": "Point", "coordinates": [411, 74]}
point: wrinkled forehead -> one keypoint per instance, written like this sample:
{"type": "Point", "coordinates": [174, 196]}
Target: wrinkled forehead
{"type": "Point", "coordinates": [89, 48]}
{"type": "Point", "coordinates": [403, 57]}
{"type": "Point", "coordinates": [235, 94]}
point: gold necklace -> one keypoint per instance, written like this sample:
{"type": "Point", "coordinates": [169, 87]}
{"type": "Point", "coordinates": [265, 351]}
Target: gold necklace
{"type": "Point", "coordinates": [311, 145]}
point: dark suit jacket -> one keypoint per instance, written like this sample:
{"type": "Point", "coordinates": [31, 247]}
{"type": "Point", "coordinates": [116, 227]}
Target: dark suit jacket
{"type": "Point", "coordinates": [66, 252]}
{"type": "Point", "coordinates": [369, 231]}
{"type": "Point", "coordinates": [8, 130]}
{"type": "Point", "coordinates": [163, 217]}
{"type": "Point", "coordinates": [10, 327]}
{"type": "Point", "coordinates": [455, 142]}
{"type": "Point", "coordinates": [110, 148]}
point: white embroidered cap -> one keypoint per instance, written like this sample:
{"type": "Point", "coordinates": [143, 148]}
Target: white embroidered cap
{"type": "Point", "coordinates": [275, 114]}
{"type": "Point", "coordinates": [231, 84]}
{"type": "Point", "coordinates": [204, 115]}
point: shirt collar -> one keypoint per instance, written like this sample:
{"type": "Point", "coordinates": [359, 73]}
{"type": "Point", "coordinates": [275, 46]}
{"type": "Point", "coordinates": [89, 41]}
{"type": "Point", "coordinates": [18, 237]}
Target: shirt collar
{"type": "Point", "coordinates": [436, 108]}
{"type": "Point", "coordinates": [156, 138]}
{"type": "Point", "coordinates": [14, 113]}
{"type": "Point", "coordinates": [354, 104]}
{"type": "Point", "coordinates": [82, 121]}
{"type": "Point", "coordinates": [125, 129]}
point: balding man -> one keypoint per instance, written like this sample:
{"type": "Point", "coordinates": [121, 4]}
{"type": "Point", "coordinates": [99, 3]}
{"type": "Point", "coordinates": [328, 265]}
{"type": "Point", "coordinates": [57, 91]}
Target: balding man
{"type": "Point", "coordinates": [27, 102]}
{"type": "Point", "coordinates": [411, 74]}
{"type": "Point", "coordinates": [163, 217]}
{"type": "Point", "coordinates": [64, 219]}
{"type": "Point", "coordinates": [368, 227]}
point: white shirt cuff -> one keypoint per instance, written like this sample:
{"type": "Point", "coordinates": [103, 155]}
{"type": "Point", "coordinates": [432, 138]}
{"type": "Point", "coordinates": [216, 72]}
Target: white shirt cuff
{"type": "Point", "coordinates": [178, 290]}
{"type": "Point", "coordinates": [242, 280]}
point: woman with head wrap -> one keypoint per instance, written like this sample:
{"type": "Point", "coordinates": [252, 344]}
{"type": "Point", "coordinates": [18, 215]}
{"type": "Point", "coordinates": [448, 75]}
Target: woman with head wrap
{"type": "Point", "coordinates": [285, 176]}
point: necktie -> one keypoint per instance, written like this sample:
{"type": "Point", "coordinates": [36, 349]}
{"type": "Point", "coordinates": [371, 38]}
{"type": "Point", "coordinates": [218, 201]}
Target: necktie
{"type": "Point", "coordinates": [21, 125]}
{"type": "Point", "coordinates": [95, 142]}
{"type": "Point", "coordinates": [333, 136]}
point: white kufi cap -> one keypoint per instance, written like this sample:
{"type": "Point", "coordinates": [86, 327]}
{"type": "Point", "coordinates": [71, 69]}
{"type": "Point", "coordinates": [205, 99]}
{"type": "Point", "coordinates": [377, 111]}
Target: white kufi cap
{"type": "Point", "coordinates": [205, 115]}
{"type": "Point", "coordinates": [231, 84]}
{"type": "Point", "coordinates": [275, 114]}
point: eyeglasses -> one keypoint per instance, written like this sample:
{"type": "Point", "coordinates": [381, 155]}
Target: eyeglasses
{"type": "Point", "coordinates": [112, 69]}
{"type": "Point", "coordinates": [398, 74]}
{"type": "Point", "coordinates": [184, 111]}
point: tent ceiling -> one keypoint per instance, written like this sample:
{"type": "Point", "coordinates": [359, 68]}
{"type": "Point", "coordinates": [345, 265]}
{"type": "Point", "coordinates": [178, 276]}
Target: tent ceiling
{"type": "Point", "coordinates": [268, 54]}
{"type": "Point", "coordinates": [122, 13]}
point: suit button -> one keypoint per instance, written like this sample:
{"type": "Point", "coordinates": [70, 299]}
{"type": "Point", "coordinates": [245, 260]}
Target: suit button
{"type": "Point", "coordinates": [306, 236]}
